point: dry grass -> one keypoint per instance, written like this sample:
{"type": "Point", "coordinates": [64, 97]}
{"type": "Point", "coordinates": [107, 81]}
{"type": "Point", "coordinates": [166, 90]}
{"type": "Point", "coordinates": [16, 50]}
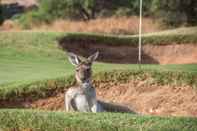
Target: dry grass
{"type": "Point", "coordinates": [112, 25]}
{"type": "Point", "coordinates": [25, 3]}
{"type": "Point", "coordinates": [10, 25]}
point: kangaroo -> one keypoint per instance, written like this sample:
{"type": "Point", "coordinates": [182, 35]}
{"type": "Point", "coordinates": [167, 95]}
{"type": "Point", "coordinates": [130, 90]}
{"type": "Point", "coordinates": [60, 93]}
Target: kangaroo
{"type": "Point", "coordinates": [83, 97]}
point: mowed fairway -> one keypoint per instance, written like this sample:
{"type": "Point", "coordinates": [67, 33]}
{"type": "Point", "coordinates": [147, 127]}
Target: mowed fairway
{"type": "Point", "coordinates": [31, 56]}
{"type": "Point", "coordinates": [27, 58]}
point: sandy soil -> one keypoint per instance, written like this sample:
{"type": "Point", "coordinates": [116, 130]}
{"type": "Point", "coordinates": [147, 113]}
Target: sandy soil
{"type": "Point", "coordinates": [138, 96]}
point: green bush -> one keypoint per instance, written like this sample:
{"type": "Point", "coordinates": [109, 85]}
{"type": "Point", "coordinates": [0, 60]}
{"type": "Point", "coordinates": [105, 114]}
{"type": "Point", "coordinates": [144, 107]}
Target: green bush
{"type": "Point", "coordinates": [171, 12]}
{"type": "Point", "coordinates": [176, 12]}
{"type": "Point", "coordinates": [48, 11]}
{"type": "Point", "coordinates": [1, 14]}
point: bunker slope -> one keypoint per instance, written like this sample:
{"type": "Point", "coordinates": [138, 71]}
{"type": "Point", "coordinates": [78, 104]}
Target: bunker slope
{"type": "Point", "coordinates": [137, 95]}
{"type": "Point", "coordinates": [151, 53]}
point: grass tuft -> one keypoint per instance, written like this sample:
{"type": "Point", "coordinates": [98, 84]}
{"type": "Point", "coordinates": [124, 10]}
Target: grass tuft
{"type": "Point", "coordinates": [56, 121]}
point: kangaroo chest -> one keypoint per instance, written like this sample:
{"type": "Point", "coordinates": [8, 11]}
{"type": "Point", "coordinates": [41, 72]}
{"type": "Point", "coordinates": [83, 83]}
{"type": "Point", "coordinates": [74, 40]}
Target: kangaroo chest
{"type": "Point", "coordinates": [85, 99]}
{"type": "Point", "coordinates": [88, 93]}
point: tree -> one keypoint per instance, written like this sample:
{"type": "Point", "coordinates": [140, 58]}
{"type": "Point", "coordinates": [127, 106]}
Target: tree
{"type": "Point", "coordinates": [1, 13]}
{"type": "Point", "coordinates": [190, 9]}
{"type": "Point", "coordinates": [176, 12]}
{"type": "Point", "coordinates": [85, 8]}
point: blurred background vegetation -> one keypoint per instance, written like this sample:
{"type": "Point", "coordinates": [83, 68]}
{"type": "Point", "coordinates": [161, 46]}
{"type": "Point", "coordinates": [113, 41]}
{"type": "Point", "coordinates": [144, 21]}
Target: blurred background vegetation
{"type": "Point", "coordinates": [172, 13]}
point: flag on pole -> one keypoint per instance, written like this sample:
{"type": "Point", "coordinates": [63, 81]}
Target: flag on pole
{"type": "Point", "coordinates": [140, 35]}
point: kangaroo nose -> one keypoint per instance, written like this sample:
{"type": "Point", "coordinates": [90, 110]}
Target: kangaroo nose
{"type": "Point", "coordinates": [85, 80]}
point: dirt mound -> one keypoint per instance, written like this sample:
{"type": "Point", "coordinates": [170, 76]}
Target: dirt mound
{"type": "Point", "coordinates": [139, 96]}
{"type": "Point", "coordinates": [151, 54]}
{"type": "Point", "coordinates": [152, 99]}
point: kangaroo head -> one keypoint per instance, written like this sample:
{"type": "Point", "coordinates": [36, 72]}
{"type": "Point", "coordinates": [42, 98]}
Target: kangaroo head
{"type": "Point", "coordinates": [83, 70]}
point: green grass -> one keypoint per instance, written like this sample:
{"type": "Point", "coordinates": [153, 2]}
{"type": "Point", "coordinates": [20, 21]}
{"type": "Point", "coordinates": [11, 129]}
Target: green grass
{"type": "Point", "coordinates": [31, 56]}
{"type": "Point", "coordinates": [183, 31]}
{"type": "Point", "coordinates": [59, 121]}
{"type": "Point", "coordinates": [31, 64]}
{"type": "Point", "coordinates": [176, 36]}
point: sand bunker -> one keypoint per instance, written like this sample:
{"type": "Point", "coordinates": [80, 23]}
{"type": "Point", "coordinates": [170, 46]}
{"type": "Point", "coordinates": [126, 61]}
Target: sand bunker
{"type": "Point", "coordinates": [151, 53]}
{"type": "Point", "coordinates": [139, 96]}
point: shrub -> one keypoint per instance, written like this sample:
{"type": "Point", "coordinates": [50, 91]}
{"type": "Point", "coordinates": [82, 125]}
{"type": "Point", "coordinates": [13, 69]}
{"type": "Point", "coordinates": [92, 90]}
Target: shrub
{"type": "Point", "coordinates": [1, 14]}
{"type": "Point", "coordinates": [176, 12]}
{"type": "Point", "coordinates": [171, 12]}
{"type": "Point", "coordinates": [48, 11]}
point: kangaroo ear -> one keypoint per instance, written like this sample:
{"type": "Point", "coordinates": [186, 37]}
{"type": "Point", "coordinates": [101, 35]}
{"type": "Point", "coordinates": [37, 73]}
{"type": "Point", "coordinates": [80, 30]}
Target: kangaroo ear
{"type": "Point", "coordinates": [93, 57]}
{"type": "Point", "coordinates": [74, 59]}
